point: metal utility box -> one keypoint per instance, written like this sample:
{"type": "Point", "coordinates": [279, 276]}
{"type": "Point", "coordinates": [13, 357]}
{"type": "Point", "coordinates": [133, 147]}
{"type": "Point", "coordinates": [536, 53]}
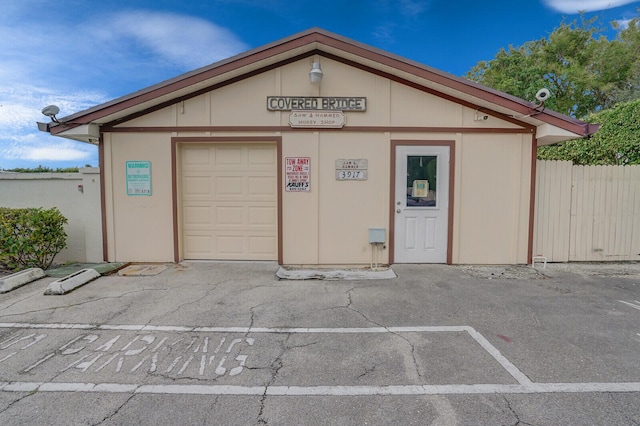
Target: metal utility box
{"type": "Point", "coordinates": [377, 235]}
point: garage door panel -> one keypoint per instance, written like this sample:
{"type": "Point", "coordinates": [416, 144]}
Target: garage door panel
{"type": "Point", "coordinates": [197, 185]}
{"type": "Point", "coordinates": [196, 156]}
{"type": "Point", "coordinates": [262, 216]}
{"type": "Point", "coordinates": [198, 245]}
{"type": "Point", "coordinates": [262, 156]}
{"type": "Point", "coordinates": [230, 216]}
{"type": "Point", "coordinates": [228, 156]}
{"type": "Point", "coordinates": [230, 245]}
{"type": "Point", "coordinates": [262, 245]}
{"type": "Point", "coordinates": [229, 203]}
{"type": "Point", "coordinates": [229, 186]}
{"type": "Point", "coordinates": [197, 215]}
{"type": "Point", "coordinates": [262, 186]}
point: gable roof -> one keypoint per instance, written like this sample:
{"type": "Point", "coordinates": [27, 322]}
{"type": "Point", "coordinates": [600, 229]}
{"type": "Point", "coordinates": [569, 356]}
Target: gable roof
{"type": "Point", "coordinates": [551, 126]}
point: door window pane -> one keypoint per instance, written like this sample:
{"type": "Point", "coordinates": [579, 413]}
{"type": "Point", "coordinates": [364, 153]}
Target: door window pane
{"type": "Point", "coordinates": [421, 180]}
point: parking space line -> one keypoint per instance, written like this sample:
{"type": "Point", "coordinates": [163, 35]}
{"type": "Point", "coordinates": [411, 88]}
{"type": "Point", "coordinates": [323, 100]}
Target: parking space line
{"type": "Point", "coordinates": [300, 391]}
{"type": "Point", "coordinates": [633, 305]}
{"type": "Point", "coordinates": [504, 362]}
{"type": "Point", "coordinates": [525, 385]}
{"type": "Point", "coordinates": [484, 343]}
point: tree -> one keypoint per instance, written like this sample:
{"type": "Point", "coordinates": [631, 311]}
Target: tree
{"type": "Point", "coordinates": [44, 169]}
{"type": "Point", "coordinates": [31, 237]}
{"type": "Point", "coordinates": [617, 141]}
{"type": "Point", "coordinates": [584, 71]}
{"type": "Point", "coordinates": [630, 40]}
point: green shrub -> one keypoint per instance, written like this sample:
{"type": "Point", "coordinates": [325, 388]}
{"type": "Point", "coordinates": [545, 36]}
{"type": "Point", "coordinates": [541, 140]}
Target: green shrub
{"type": "Point", "coordinates": [31, 237]}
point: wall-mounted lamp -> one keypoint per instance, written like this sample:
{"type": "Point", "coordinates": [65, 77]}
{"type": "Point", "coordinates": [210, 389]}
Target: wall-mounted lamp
{"type": "Point", "coordinates": [315, 75]}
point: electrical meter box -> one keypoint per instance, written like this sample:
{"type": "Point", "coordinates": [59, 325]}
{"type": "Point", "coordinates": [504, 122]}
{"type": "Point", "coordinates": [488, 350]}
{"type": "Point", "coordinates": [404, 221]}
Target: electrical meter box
{"type": "Point", "coordinates": [377, 235]}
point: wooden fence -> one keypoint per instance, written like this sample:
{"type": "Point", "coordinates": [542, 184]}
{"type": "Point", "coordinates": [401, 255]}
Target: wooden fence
{"type": "Point", "coordinates": [587, 213]}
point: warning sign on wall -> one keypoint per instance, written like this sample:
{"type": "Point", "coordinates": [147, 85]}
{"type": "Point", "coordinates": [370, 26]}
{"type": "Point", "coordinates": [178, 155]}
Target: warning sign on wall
{"type": "Point", "coordinates": [297, 174]}
{"type": "Point", "coordinates": [138, 177]}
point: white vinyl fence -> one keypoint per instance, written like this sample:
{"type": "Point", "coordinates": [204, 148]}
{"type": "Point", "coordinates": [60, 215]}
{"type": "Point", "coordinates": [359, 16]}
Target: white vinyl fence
{"type": "Point", "coordinates": [587, 213]}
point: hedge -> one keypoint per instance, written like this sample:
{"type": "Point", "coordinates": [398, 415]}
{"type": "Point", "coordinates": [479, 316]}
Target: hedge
{"type": "Point", "coordinates": [31, 237]}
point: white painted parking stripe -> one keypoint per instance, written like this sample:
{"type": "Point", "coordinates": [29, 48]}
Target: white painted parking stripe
{"type": "Point", "coordinates": [633, 305]}
{"type": "Point", "coordinates": [202, 389]}
{"type": "Point", "coordinates": [533, 388]}
{"type": "Point", "coordinates": [344, 330]}
{"type": "Point", "coordinates": [504, 362]}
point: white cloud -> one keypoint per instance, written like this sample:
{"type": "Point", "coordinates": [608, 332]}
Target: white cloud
{"type": "Point", "coordinates": [21, 104]}
{"type": "Point", "coordinates": [38, 148]}
{"type": "Point", "coordinates": [574, 6]}
{"type": "Point", "coordinates": [76, 63]}
{"type": "Point", "coordinates": [413, 7]}
{"type": "Point", "coordinates": [34, 150]}
{"type": "Point", "coordinates": [384, 33]}
{"type": "Point", "coordinates": [623, 24]}
{"type": "Point", "coordinates": [185, 41]}
{"type": "Point", "coordinates": [20, 138]}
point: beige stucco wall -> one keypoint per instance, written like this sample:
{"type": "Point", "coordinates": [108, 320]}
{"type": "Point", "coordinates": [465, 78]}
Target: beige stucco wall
{"type": "Point", "coordinates": [139, 228]}
{"type": "Point", "coordinates": [491, 221]}
{"type": "Point", "coordinates": [300, 212]}
{"type": "Point", "coordinates": [349, 208]}
{"type": "Point", "coordinates": [329, 224]}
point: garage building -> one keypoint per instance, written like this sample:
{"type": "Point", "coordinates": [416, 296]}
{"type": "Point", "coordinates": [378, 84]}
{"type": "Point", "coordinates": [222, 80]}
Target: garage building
{"type": "Point", "coordinates": [308, 150]}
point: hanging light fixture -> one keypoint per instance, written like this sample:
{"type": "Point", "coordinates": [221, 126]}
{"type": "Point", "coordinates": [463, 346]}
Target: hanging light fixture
{"type": "Point", "coordinates": [315, 75]}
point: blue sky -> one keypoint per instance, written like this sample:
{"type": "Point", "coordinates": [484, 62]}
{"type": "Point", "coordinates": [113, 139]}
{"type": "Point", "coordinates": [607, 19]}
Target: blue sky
{"type": "Point", "coordinates": [78, 53]}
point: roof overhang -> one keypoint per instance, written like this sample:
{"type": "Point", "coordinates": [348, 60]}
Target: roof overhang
{"type": "Point", "coordinates": [548, 134]}
{"type": "Point", "coordinates": [89, 133]}
{"type": "Point", "coordinates": [551, 127]}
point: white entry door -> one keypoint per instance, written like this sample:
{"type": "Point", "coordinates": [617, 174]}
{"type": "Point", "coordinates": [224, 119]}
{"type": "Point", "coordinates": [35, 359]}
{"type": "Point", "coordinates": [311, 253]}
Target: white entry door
{"type": "Point", "coordinates": [421, 204]}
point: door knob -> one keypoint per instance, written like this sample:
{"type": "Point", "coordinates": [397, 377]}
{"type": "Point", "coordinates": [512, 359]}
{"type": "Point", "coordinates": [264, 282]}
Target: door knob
{"type": "Point", "coordinates": [398, 211]}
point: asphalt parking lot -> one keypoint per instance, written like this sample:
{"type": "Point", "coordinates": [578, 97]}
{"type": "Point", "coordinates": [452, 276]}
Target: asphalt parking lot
{"type": "Point", "coordinates": [229, 343]}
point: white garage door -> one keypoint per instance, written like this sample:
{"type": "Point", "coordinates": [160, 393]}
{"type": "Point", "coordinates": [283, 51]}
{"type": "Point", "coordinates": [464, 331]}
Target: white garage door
{"type": "Point", "coordinates": [229, 201]}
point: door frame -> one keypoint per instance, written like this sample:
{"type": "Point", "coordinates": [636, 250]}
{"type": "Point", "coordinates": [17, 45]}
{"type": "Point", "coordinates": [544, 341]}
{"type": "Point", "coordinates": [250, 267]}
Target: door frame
{"type": "Point", "coordinates": [392, 196]}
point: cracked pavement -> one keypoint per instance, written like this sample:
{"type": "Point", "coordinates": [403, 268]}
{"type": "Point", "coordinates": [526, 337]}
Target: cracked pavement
{"type": "Point", "coordinates": [228, 343]}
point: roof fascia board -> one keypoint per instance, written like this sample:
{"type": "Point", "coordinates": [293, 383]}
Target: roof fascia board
{"type": "Point", "coordinates": [515, 104]}
{"type": "Point", "coordinates": [185, 81]}
{"type": "Point", "coordinates": [419, 85]}
{"type": "Point", "coordinates": [226, 82]}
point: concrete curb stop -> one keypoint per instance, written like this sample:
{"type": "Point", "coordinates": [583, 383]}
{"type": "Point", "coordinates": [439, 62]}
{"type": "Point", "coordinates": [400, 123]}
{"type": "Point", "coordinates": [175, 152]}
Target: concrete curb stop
{"type": "Point", "coordinates": [71, 282]}
{"type": "Point", "coordinates": [334, 274]}
{"type": "Point", "coordinates": [13, 281]}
